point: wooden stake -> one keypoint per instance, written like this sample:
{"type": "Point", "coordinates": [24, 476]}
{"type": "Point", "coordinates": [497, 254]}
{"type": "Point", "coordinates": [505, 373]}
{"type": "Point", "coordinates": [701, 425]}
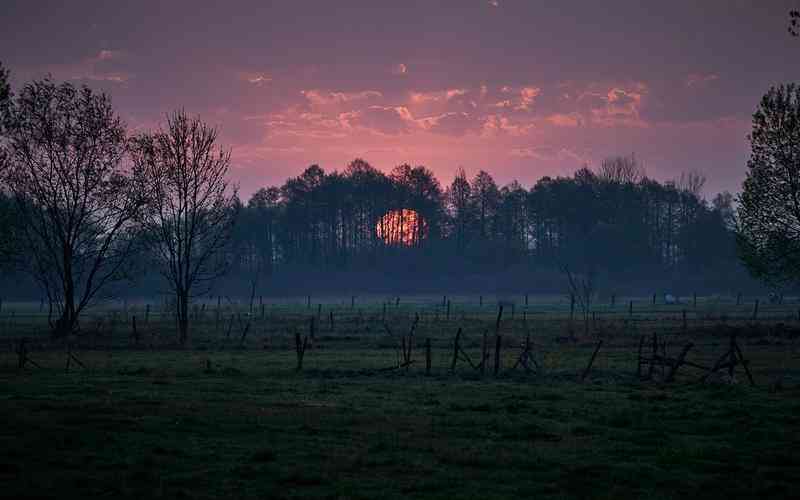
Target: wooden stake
{"type": "Point", "coordinates": [755, 310]}
{"type": "Point", "coordinates": [428, 356]}
{"type": "Point", "coordinates": [591, 360]}
{"type": "Point", "coordinates": [456, 348]}
{"type": "Point", "coordinates": [639, 366]}
{"type": "Point", "coordinates": [497, 343]}
{"type": "Point", "coordinates": [678, 362]}
{"type": "Point", "coordinates": [484, 352]}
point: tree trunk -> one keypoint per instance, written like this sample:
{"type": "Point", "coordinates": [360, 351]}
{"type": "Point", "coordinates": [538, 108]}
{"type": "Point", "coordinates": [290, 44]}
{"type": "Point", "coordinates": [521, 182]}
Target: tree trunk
{"type": "Point", "coordinates": [183, 317]}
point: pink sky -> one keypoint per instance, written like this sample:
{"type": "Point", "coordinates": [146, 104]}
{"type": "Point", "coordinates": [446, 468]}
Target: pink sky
{"type": "Point", "coordinates": [521, 88]}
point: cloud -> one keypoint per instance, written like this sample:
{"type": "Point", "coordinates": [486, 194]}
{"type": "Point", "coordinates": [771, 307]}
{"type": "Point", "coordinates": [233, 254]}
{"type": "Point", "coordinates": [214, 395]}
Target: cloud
{"type": "Point", "coordinates": [566, 119]}
{"type": "Point", "coordinates": [321, 98]}
{"type": "Point", "coordinates": [493, 3]}
{"type": "Point", "coordinates": [399, 69]}
{"type": "Point", "coordinates": [700, 79]}
{"type": "Point", "coordinates": [453, 123]}
{"type": "Point", "coordinates": [386, 120]}
{"type": "Point", "coordinates": [437, 95]}
{"type": "Point", "coordinates": [548, 153]}
{"type": "Point", "coordinates": [494, 125]}
{"type": "Point", "coordinates": [256, 79]}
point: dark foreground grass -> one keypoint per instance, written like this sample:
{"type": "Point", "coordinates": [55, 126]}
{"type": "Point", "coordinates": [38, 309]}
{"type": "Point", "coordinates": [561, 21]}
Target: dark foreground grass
{"type": "Point", "coordinates": [161, 424]}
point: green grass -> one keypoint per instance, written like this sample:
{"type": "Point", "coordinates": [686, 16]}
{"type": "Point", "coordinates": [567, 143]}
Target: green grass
{"type": "Point", "coordinates": [140, 422]}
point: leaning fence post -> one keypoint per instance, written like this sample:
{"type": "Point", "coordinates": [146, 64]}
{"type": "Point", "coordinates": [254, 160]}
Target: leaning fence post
{"type": "Point", "coordinates": [456, 348]}
{"type": "Point", "coordinates": [591, 360]}
{"type": "Point", "coordinates": [678, 363]}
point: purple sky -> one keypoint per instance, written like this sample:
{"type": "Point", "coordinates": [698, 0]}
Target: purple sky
{"type": "Point", "coordinates": [520, 88]}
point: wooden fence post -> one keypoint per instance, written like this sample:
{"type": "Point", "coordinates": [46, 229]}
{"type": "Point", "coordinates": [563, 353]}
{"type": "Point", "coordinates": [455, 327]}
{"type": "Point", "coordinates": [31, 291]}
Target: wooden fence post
{"type": "Point", "coordinates": [684, 321]}
{"type": "Point", "coordinates": [678, 362]}
{"type": "Point", "coordinates": [755, 311]}
{"type": "Point", "coordinates": [739, 299]}
{"type": "Point", "coordinates": [497, 344]}
{"type": "Point", "coordinates": [591, 360]}
{"type": "Point", "coordinates": [308, 302]}
{"type": "Point", "coordinates": [653, 357]}
{"type": "Point", "coordinates": [456, 348]}
{"type": "Point", "coordinates": [428, 356]}
{"type": "Point", "coordinates": [526, 300]}
{"type": "Point", "coordinates": [630, 309]}
{"type": "Point", "coordinates": [448, 311]}
{"type": "Point", "coordinates": [571, 308]}
{"type": "Point", "coordinates": [654, 299]}
{"type": "Point", "coordinates": [639, 366]}
{"type": "Point", "coordinates": [484, 352]}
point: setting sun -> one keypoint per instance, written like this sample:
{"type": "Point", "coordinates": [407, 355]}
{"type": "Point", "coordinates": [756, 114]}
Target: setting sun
{"type": "Point", "coordinates": [402, 227]}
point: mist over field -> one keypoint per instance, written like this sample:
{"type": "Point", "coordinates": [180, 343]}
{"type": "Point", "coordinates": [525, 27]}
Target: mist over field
{"type": "Point", "coordinates": [468, 249]}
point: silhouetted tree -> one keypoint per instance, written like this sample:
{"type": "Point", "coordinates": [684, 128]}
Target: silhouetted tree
{"type": "Point", "coordinates": [794, 22]}
{"type": "Point", "coordinates": [768, 229]}
{"type": "Point", "coordinates": [75, 202]}
{"type": "Point", "coordinates": [7, 218]}
{"type": "Point", "coordinates": [192, 208]}
{"type": "Point", "coordinates": [460, 209]}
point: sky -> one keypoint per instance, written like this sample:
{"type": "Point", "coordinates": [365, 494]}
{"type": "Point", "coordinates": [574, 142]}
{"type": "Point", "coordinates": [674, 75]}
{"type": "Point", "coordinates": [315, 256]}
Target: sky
{"type": "Point", "coordinates": [520, 88]}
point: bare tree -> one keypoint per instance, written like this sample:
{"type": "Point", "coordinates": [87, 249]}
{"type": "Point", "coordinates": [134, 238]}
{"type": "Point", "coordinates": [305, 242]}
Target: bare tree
{"type": "Point", "coordinates": [189, 221]}
{"type": "Point", "coordinates": [621, 170]}
{"type": "Point", "coordinates": [76, 202]}
{"type": "Point", "coordinates": [582, 288]}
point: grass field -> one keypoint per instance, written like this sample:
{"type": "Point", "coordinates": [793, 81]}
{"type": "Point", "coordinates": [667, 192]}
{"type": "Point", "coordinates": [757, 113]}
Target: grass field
{"type": "Point", "coordinates": [232, 417]}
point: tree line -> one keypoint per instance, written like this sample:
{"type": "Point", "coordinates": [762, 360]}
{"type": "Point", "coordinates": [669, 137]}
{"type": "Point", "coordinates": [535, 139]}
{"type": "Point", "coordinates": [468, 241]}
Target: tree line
{"type": "Point", "coordinates": [615, 219]}
{"type": "Point", "coordinates": [86, 208]}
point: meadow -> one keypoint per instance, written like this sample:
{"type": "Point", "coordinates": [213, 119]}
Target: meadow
{"type": "Point", "coordinates": [124, 412]}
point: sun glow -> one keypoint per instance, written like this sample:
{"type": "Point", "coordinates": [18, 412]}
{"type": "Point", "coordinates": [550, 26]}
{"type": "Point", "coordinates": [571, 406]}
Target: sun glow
{"type": "Point", "coordinates": [403, 227]}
